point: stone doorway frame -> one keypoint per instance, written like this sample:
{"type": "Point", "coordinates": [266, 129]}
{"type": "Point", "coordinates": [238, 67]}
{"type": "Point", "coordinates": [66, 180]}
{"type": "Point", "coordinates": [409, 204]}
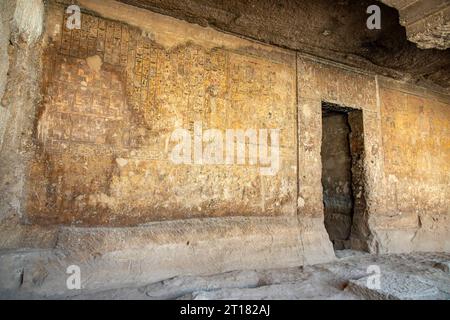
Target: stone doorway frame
{"type": "Point", "coordinates": [320, 80]}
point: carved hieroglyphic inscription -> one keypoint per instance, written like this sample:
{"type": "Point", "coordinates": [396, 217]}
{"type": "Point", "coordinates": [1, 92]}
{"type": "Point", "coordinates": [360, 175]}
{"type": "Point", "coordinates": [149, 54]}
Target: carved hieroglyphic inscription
{"type": "Point", "coordinates": [88, 107]}
{"type": "Point", "coordinates": [112, 98]}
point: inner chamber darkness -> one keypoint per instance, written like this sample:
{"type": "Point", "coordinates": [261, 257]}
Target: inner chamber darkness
{"type": "Point", "coordinates": [341, 153]}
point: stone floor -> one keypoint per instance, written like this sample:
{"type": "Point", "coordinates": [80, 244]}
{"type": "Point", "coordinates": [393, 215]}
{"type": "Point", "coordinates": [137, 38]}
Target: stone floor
{"type": "Point", "coordinates": [403, 276]}
{"type": "Point", "coordinates": [351, 276]}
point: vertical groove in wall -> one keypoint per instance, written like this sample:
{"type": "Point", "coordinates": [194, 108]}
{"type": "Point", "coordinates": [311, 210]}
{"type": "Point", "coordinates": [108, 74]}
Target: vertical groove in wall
{"type": "Point", "coordinates": [377, 93]}
{"type": "Point", "coordinates": [297, 132]}
{"type": "Point", "coordinates": [377, 86]}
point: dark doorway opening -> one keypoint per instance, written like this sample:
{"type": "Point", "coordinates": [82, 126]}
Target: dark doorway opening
{"type": "Point", "coordinates": [342, 175]}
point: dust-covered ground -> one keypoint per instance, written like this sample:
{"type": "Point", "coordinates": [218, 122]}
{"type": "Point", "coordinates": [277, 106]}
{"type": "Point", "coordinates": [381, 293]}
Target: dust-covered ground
{"type": "Point", "coordinates": [354, 275]}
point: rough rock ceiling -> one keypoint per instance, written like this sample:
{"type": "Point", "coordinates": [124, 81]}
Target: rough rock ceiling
{"type": "Point", "coordinates": [332, 29]}
{"type": "Point", "coordinates": [427, 22]}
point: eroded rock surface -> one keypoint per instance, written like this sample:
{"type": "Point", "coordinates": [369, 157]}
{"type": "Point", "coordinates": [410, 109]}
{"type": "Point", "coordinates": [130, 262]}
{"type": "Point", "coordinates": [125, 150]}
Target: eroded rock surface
{"type": "Point", "coordinates": [412, 276]}
{"type": "Point", "coordinates": [427, 22]}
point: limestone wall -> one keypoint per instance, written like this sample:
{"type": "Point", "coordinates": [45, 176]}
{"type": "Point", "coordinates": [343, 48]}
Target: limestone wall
{"type": "Point", "coordinates": [406, 187]}
{"type": "Point", "coordinates": [88, 170]}
{"type": "Point", "coordinates": [114, 96]}
{"type": "Point", "coordinates": [117, 89]}
{"type": "Point", "coordinates": [22, 23]}
{"type": "Point", "coordinates": [416, 140]}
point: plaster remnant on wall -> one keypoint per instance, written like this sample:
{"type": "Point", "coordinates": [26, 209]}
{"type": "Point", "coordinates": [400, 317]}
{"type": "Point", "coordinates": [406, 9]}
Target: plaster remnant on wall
{"type": "Point", "coordinates": [28, 19]}
{"type": "Point", "coordinates": [122, 162]}
{"type": "Point", "coordinates": [4, 59]}
{"type": "Point", "coordinates": [19, 99]}
{"type": "Point", "coordinates": [95, 63]}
